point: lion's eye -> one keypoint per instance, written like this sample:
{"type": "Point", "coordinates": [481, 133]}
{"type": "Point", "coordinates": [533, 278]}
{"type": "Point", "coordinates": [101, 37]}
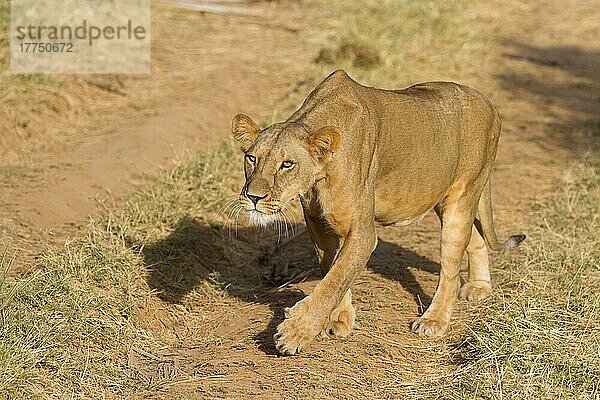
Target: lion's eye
{"type": "Point", "coordinates": [251, 159]}
{"type": "Point", "coordinates": [287, 165]}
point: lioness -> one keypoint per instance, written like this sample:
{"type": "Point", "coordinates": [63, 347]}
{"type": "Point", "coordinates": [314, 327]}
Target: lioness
{"type": "Point", "coordinates": [358, 156]}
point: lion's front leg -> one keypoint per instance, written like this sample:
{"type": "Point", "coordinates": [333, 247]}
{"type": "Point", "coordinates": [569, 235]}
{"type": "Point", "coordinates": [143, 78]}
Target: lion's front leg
{"type": "Point", "coordinates": [329, 308]}
{"type": "Point", "coordinates": [303, 323]}
{"type": "Point", "coordinates": [327, 243]}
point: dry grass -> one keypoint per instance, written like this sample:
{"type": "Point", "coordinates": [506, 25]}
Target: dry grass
{"type": "Point", "coordinates": [539, 338]}
{"type": "Point", "coordinates": [416, 41]}
{"type": "Point", "coordinates": [68, 326]}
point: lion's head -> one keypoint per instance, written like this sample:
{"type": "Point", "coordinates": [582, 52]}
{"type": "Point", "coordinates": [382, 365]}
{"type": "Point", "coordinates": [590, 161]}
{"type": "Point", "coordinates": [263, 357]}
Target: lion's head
{"type": "Point", "coordinates": [281, 162]}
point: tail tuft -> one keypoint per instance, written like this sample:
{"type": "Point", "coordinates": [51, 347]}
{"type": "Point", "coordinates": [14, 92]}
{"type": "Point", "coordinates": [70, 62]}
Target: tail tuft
{"type": "Point", "coordinates": [485, 224]}
{"type": "Point", "coordinates": [514, 241]}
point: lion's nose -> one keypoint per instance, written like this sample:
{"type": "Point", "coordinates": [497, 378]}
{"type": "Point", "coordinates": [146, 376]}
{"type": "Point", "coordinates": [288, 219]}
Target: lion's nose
{"type": "Point", "coordinates": [254, 198]}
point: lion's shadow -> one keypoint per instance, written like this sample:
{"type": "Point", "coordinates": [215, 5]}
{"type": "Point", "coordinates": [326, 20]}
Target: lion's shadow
{"type": "Point", "coordinates": [196, 255]}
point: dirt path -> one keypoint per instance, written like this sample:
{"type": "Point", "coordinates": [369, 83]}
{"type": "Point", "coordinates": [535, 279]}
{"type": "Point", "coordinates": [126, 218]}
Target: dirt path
{"type": "Point", "coordinates": [542, 70]}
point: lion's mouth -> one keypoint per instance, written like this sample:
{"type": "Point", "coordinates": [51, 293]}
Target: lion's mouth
{"type": "Point", "coordinates": [261, 218]}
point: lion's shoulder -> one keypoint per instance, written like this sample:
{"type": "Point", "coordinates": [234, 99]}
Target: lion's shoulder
{"type": "Point", "coordinates": [338, 82]}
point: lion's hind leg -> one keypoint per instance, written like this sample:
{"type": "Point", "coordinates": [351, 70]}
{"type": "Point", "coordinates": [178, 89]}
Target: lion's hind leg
{"type": "Point", "coordinates": [342, 319]}
{"type": "Point", "coordinates": [479, 283]}
{"type": "Point", "coordinates": [457, 214]}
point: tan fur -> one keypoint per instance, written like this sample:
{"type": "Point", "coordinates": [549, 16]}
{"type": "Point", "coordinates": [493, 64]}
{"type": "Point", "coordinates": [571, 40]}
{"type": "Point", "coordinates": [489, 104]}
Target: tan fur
{"type": "Point", "coordinates": [362, 156]}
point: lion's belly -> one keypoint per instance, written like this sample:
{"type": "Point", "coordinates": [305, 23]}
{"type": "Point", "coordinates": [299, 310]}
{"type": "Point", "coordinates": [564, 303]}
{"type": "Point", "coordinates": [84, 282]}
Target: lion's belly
{"type": "Point", "coordinates": [405, 201]}
{"type": "Point", "coordinates": [386, 220]}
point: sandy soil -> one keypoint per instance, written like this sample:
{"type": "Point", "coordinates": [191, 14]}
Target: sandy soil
{"type": "Point", "coordinates": [542, 71]}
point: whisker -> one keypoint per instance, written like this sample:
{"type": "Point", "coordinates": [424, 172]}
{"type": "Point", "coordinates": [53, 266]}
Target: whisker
{"type": "Point", "coordinates": [289, 214]}
{"type": "Point", "coordinates": [286, 221]}
{"type": "Point", "coordinates": [226, 203]}
{"type": "Point", "coordinates": [229, 210]}
{"type": "Point", "coordinates": [237, 215]}
{"type": "Point", "coordinates": [278, 225]}
{"type": "Point", "coordinates": [235, 210]}
{"type": "Point", "coordinates": [233, 207]}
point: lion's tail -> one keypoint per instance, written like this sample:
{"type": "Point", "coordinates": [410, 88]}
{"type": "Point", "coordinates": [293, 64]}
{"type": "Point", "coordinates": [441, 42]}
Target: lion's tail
{"type": "Point", "coordinates": [485, 224]}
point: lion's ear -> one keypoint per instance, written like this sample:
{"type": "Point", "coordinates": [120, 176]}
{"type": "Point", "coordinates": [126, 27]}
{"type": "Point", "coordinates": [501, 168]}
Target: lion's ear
{"type": "Point", "coordinates": [244, 130]}
{"type": "Point", "coordinates": [325, 141]}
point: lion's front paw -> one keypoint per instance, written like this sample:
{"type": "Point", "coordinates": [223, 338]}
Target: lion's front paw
{"type": "Point", "coordinates": [429, 326]}
{"type": "Point", "coordinates": [300, 327]}
{"type": "Point", "coordinates": [342, 319]}
{"type": "Point", "coordinates": [475, 291]}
